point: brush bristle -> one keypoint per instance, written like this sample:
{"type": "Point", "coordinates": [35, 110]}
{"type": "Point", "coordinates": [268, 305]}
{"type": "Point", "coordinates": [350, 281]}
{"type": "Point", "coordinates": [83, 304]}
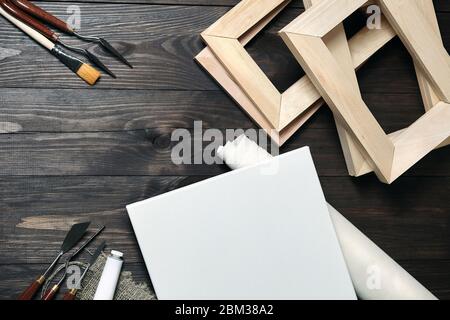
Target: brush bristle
{"type": "Point", "coordinates": [88, 74]}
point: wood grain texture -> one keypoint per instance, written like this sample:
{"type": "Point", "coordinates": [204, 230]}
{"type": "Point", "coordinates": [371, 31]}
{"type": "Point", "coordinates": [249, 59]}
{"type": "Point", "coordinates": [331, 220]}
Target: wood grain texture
{"type": "Point", "coordinates": [10, 8]}
{"type": "Point", "coordinates": [149, 152]}
{"type": "Point", "coordinates": [430, 272]}
{"type": "Point", "coordinates": [158, 56]}
{"type": "Point", "coordinates": [395, 218]}
{"type": "Point", "coordinates": [69, 110]}
{"type": "Point", "coordinates": [43, 15]}
{"type": "Point", "coordinates": [69, 154]}
{"type": "Point", "coordinates": [441, 5]}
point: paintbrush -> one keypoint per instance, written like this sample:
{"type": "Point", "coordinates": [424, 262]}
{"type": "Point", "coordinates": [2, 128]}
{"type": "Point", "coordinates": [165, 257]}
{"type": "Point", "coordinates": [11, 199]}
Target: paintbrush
{"type": "Point", "coordinates": [52, 36]}
{"type": "Point", "coordinates": [83, 70]}
{"type": "Point", "coordinates": [40, 13]}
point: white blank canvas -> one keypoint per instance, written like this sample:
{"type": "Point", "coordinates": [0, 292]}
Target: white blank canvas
{"type": "Point", "coordinates": [244, 235]}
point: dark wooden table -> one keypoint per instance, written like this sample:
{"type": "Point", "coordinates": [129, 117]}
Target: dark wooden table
{"type": "Point", "coordinates": [70, 153]}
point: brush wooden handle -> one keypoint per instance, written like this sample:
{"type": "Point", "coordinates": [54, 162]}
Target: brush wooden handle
{"type": "Point", "coordinates": [49, 294]}
{"type": "Point", "coordinates": [29, 292]}
{"type": "Point", "coordinates": [39, 38]}
{"type": "Point", "coordinates": [70, 295]}
{"type": "Point", "coordinates": [36, 11]}
{"type": "Point", "coordinates": [21, 15]}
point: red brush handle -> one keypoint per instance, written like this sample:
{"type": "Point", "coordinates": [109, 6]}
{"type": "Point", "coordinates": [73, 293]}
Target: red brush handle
{"type": "Point", "coordinates": [34, 10]}
{"type": "Point", "coordinates": [50, 293]}
{"type": "Point", "coordinates": [29, 292]}
{"type": "Point", "coordinates": [33, 23]}
{"type": "Point", "coordinates": [70, 295]}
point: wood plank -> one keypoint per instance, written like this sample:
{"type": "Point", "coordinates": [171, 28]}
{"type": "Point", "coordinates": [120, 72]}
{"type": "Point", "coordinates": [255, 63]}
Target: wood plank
{"type": "Point", "coordinates": [68, 110]}
{"type": "Point", "coordinates": [148, 43]}
{"type": "Point", "coordinates": [228, 3]}
{"type": "Point", "coordinates": [408, 219]}
{"type": "Point", "coordinates": [149, 152]}
{"type": "Point", "coordinates": [158, 55]}
{"type": "Point", "coordinates": [104, 203]}
{"type": "Point", "coordinates": [441, 5]}
{"type": "Point", "coordinates": [432, 274]}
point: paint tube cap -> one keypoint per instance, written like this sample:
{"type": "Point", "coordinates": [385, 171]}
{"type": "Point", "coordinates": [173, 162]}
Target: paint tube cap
{"type": "Point", "coordinates": [116, 253]}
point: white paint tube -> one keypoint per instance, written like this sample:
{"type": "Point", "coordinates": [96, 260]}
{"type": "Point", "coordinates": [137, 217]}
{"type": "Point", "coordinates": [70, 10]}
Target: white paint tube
{"type": "Point", "coordinates": [110, 276]}
{"type": "Point", "coordinates": [375, 275]}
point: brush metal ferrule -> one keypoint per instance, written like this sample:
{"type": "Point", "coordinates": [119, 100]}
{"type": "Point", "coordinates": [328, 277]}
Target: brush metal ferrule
{"type": "Point", "coordinates": [71, 62]}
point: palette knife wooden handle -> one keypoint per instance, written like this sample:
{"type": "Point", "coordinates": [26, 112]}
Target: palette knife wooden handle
{"type": "Point", "coordinates": [70, 295]}
{"type": "Point", "coordinates": [21, 15]}
{"type": "Point", "coordinates": [29, 292]}
{"type": "Point", "coordinates": [36, 11]}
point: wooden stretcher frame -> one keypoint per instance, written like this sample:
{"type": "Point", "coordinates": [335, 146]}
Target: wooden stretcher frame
{"type": "Point", "coordinates": [357, 163]}
{"type": "Point", "coordinates": [361, 47]}
{"type": "Point", "coordinates": [360, 51]}
{"type": "Point", "coordinates": [288, 111]}
{"type": "Point", "coordinates": [429, 97]}
{"type": "Point", "coordinates": [389, 156]}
